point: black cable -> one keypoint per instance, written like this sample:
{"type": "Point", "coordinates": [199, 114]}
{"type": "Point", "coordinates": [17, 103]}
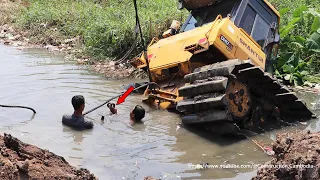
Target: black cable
{"type": "Point", "coordinates": [173, 77]}
{"type": "Point", "coordinates": [106, 102]}
{"type": "Point", "coordinates": [125, 56]}
{"type": "Point", "coordinates": [142, 41]}
{"type": "Point", "coordinates": [23, 107]}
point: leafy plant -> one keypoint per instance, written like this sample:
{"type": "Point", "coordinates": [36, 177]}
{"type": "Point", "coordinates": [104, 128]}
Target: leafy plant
{"type": "Point", "coordinates": [295, 75]}
{"type": "Point", "coordinates": [300, 45]}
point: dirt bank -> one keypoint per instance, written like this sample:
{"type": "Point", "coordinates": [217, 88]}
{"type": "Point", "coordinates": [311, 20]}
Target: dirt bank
{"type": "Point", "coordinates": [292, 149]}
{"type": "Point", "coordinates": [19, 160]}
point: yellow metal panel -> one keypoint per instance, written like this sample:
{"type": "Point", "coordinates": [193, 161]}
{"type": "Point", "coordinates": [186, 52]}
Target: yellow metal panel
{"type": "Point", "coordinates": [170, 50]}
{"type": "Point", "coordinates": [165, 105]}
{"type": "Point", "coordinates": [244, 47]}
{"type": "Point", "coordinates": [222, 29]}
{"type": "Point", "coordinates": [248, 50]}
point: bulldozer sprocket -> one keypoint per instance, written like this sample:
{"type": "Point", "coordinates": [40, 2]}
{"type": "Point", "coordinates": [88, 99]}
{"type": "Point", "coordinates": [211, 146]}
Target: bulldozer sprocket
{"type": "Point", "coordinates": [238, 99]}
{"type": "Point", "coordinates": [243, 83]}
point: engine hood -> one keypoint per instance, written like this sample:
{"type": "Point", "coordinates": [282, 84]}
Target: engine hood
{"type": "Point", "coordinates": [171, 50]}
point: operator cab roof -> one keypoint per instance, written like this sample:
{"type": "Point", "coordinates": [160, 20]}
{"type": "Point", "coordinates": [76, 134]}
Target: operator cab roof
{"type": "Point", "coordinates": [195, 4]}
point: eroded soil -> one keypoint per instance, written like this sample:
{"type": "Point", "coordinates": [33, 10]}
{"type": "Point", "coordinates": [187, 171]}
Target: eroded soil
{"type": "Point", "coordinates": [292, 149]}
{"type": "Point", "coordinates": [19, 160]}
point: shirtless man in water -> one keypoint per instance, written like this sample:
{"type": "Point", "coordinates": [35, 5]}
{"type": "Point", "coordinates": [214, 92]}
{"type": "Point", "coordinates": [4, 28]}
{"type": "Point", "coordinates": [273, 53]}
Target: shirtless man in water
{"type": "Point", "coordinates": [112, 108]}
{"type": "Point", "coordinates": [76, 120]}
{"type": "Point", "coordinates": [137, 114]}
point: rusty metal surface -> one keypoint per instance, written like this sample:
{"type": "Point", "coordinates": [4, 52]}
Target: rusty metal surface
{"type": "Point", "coordinates": [239, 99]}
{"type": "Point", "coordinates": [194, 4]}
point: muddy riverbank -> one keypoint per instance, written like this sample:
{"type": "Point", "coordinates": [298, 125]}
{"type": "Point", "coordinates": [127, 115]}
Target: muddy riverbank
{"type": "Point", "coordinates": [19, 160]}
{"type": "Point", "coordinates": [297, 156]}
{"type": "Point", "coordinates": [71, 50]}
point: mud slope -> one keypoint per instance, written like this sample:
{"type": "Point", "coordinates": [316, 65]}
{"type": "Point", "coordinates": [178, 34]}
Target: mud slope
{"type": "Point", "coordinates": [19, 160]}
{"type": "Point", "coordinates": [291, 149]}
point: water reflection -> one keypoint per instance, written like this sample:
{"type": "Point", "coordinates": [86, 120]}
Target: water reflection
{"type": "Point", "coordinates": [77, 136]}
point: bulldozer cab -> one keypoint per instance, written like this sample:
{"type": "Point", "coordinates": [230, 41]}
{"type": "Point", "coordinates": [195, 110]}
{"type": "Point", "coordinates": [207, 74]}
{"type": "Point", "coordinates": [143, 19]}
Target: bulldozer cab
{"type": "Point", "coordinates": [257, 17]}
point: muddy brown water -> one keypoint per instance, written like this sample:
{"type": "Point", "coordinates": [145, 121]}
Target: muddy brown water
{"type": "Point", "coordinates": [113, 149]}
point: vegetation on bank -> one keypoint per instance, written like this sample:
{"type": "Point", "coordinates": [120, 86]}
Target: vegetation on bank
{"type": "Point", "coordinates": [106, 28]}
{"type": "Point", "coordinates": [8, 11]}
{"type": "Point", "coordinates": [299, 51]}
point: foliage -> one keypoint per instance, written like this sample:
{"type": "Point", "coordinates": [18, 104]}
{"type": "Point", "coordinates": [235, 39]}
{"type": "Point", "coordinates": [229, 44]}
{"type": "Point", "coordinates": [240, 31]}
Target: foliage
{"type": "Point", "coordinates": [8, 11]}
{"type": "Point", "coordinates": [300, 43]}
{"type": "Point", "coordinates": [105, 27]}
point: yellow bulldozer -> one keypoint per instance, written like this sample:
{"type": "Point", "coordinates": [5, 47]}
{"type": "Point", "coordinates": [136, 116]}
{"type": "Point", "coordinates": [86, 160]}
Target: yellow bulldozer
{"type": "Point", "coordinates": [216, 68]}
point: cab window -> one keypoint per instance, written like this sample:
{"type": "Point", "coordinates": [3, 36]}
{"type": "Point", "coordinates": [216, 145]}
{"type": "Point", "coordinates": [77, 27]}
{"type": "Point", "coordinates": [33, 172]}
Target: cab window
{"type": "Point", "coordinates": [255, 25]}
{"type": "Point", "coordinates": [247, 20]}
{"type": "Point", "coordinates": [260, 31]}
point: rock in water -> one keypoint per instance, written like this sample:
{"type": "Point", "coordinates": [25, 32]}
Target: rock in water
{"type": "Point", "coordinates": [9, 36]}
{"type": "Point", "coordinates": [316, 105]}
{"type": "Point", "coordinates": [150, 178]}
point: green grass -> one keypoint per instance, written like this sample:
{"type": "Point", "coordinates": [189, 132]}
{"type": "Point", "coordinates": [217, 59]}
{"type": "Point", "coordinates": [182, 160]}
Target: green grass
{"type": "Point", "coordinates": [106, 27]}
{"type": "Point", "coordinates": [8, 11]}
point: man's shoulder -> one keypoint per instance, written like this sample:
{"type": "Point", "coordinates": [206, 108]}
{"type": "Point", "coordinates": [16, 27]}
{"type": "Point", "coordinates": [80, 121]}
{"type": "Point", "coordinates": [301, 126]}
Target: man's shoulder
{"type": "Point", "coordinates": [76, 121]}
{"type": "Point", "coordinates": [66, 118]}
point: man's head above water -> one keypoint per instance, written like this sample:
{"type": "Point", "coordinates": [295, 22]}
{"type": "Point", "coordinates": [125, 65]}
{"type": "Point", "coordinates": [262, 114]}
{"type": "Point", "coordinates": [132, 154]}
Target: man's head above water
{"type": "Point", "coordinates": [137, 114]}
{"type": "Point", "coordinates": [78, 103]}
{"type": "Point", "coordinates": [77, 120]}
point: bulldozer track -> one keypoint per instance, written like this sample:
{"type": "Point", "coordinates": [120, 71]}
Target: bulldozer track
{"type": "Point", "coordinates": [207, 116]}
{"type": "Point", "coordinates": [240, 87]}
{"type": "Point", "coordinates": [209, 86]}
{"type": "Point", "coordinates": [193, 105]}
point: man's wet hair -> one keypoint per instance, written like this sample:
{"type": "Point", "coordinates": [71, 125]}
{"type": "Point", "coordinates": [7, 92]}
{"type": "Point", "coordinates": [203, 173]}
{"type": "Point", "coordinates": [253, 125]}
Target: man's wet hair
{"type": "Point", "coordinates": [139, 113]}
{"type": "Point", "coordinates": [77, 101]}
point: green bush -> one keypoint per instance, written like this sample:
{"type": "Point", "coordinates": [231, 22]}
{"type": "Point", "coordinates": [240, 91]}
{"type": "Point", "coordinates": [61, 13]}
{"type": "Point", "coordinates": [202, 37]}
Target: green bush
{"type": "Point", "coordinates": [299, 52]}
{"type": "Point", "coordinates": [105, 27]}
